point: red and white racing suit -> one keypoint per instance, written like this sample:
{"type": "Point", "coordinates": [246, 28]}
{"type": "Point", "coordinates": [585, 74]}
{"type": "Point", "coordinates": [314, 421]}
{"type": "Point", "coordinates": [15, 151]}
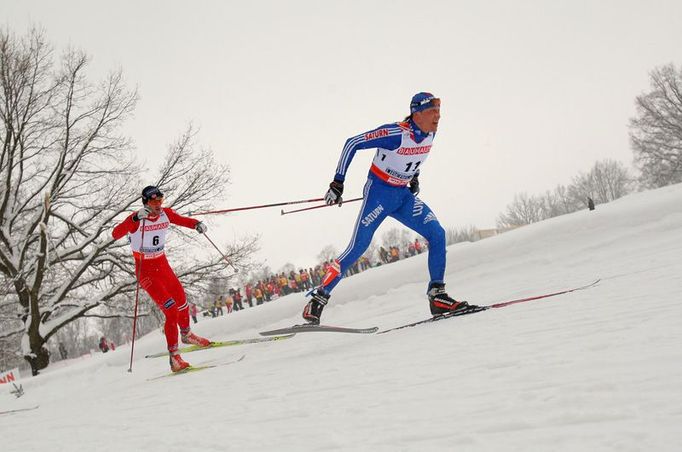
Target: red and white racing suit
{"type": "Point", "coordinates": [154, 272]}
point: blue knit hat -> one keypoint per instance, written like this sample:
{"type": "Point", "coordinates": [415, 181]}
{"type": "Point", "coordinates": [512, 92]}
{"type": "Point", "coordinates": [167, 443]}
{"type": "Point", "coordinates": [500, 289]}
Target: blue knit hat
{"type": "Point", "coordinates": [422, 101]}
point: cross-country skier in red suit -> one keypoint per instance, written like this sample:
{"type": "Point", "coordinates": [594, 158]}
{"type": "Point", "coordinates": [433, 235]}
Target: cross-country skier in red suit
{"type": "Point", "coordinates": [155, 274]}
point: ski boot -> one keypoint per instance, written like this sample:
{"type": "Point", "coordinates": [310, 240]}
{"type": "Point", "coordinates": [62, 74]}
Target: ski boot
{"type": "Point", "coordinates": [441, 303]}
{"type": "Point", "coordinates": [177, 363]}
{"type": "Point", "coordinates": [313, 310]}
{"type": "Point", "coordinates": [191, 338]}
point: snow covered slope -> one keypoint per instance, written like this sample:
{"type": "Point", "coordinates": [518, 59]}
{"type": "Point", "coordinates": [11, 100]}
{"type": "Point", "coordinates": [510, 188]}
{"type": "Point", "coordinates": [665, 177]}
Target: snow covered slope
{"type": "Point", "coordinates": [594, 370]}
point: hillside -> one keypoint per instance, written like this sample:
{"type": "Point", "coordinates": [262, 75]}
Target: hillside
{"type": "Point", "coordinates": [593, 370]}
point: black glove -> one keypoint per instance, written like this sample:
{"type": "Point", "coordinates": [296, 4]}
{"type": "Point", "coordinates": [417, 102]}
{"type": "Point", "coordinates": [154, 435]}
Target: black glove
{"type": "Point", "coordinates": [201, 227]}
{"type": "Point", "coordinates": [334, 193]}
{"type": "Point", "coordinates": [414, 184]}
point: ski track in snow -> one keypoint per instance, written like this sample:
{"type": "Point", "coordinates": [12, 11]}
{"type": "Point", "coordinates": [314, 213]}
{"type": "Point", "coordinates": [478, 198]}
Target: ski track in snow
{"type": "Point", "coordinates": [593, 370]}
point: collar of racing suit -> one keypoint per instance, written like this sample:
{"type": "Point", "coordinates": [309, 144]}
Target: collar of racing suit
{"type": "Point", "coordinates": [419, 134]}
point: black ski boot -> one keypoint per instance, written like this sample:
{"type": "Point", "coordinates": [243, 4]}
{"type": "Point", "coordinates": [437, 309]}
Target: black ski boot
{"type": "Point", "coordinates": [313, 310]}
{"type": "Point", "coordinates": [441, 303]}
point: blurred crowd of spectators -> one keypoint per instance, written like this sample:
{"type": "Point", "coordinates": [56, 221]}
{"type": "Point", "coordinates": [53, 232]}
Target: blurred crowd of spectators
{"type": "Point", "coordinates": [255, 293]}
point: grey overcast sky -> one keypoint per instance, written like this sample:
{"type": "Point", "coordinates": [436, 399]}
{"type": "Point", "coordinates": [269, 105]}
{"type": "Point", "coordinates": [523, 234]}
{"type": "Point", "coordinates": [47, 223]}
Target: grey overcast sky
{"type": "Point", "coordinates": [533, 92]}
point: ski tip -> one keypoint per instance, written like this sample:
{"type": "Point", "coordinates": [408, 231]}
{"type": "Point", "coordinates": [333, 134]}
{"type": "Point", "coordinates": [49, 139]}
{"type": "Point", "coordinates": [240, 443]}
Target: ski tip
{"type": "Point", "coordinates": [277, 334]}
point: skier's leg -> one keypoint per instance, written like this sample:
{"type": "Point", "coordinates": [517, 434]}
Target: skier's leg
{"type": "Point", "coordinates": [153, 282]}
{"type": "Point", "coordinates": [178, 293]}
{"type": "Point", "coordinates": [375, 208]}
{"type": "Point", "coordinates": [182, 311]}
{"type": "Point", "coordinates": [379, 201]}
{"type": "Point", "coordinates": [416, 215]}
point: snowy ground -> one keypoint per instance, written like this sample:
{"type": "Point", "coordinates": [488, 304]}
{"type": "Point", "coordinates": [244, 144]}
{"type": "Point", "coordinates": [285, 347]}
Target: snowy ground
{"type": "Point", "coordinates": [594, 370]}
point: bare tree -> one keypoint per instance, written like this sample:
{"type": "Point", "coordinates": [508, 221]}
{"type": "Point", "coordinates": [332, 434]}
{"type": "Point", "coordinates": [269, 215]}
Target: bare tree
{"type": "Point", "coordinates": [612, 180]}
{"type": "Point", "coordinates": [64, 179]}
{"type": "Point", "coordinates": [656, 131]}
{"type": "Point", "coordinates": [523, 210]}
{"type": "Point", "coordinates": [608, 180]}
{"type": "Point", "coordinates": [327, 253]}
{"type": "Point", "coordinates": [559, 201]}
{"type": "Point", "coordinates": [67, 175]}
{"type": "Point", "coordinates": [457, 235]}
{"type": "Point", "coordinates": [261, 274]}
{"type": "Point", "coordinates": [396, 237]}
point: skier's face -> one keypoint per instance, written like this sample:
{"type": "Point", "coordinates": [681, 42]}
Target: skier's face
{"type": "Point", "coordinates": [155, 206]}
{"type": "Point", "coordinates": [427, 120]}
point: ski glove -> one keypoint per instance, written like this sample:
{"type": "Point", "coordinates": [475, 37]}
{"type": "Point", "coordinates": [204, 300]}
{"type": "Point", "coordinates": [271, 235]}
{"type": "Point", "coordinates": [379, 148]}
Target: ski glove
{"type": "Point", "coordinates": [334, 193]}
{"type": "Point", "coordinates": [142, 214]}
{"type": "Point", "coordinates": [201, 227]}
{"type": "Point", "coordinates": [414, 184]}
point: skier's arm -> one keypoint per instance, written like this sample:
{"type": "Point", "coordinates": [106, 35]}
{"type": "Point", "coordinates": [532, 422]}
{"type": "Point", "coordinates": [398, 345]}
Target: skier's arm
{"type": "Point", "coordinates": [386, 137]}
{"type": "Point", "coordinates": [127, 226]}
{"type": "Point", "coordinates": [180, 220]}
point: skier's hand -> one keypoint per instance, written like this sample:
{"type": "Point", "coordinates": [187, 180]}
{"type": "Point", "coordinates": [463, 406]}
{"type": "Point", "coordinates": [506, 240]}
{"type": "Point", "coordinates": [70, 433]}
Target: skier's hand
{"type": "Point", "coordinates": [143, 213]}
{"type": "Point", "coordinates": [201, 227]}
{"type": "Point", "coordinates": [334, 193]}
{"type": "Point", "coordinates": [414, 185]}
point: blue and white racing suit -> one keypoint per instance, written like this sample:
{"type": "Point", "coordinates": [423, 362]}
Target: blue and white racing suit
{"type": "Point", "coordinates": [401, 149]}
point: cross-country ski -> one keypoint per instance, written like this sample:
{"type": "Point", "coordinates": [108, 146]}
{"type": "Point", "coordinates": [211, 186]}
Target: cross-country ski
{"type": "Point", "coordinates": [198, 368]}
{"type": "Point", "coordinates": [308, 328]}
{"type": "Point", "coordinates": [474, 309]}
{"type": "Point", "coordinates": [220, 344]}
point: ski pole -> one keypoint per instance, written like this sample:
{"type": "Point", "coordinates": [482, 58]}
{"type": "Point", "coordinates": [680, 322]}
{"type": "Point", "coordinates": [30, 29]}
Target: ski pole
{"type": "Point", "coordinates": [318, 207]}
{"type": "Point", "coordinates": [221, 253]}
{"type": "Point", "coordinates": [138, 274]}
{"type": "Point", "coordinates": [209, 212]}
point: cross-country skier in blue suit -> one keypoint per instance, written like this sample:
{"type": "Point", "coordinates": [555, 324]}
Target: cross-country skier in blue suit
{"type": "Point", "coordinates": [391, 190]}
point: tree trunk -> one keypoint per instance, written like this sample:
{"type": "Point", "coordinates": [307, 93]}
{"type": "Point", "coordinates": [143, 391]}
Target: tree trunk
{"type": "Point", "coordinates": [39, 360]}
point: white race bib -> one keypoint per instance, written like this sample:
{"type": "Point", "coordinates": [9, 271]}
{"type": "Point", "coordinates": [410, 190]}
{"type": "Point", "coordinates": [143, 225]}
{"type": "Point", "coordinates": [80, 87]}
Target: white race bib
{"type": "Point", "coordinates": [155, 235]}
{"type": "Point", "coordinates": [397, 167]}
